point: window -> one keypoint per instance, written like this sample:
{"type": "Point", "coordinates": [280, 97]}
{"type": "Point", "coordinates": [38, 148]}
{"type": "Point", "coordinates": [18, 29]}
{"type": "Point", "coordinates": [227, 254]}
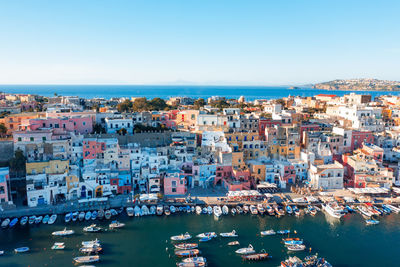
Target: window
{"type": "Point", "coordinates": [32, 139]}
{"type": "Point", "coordinates": [84, 123]}
{"type": "Point", "coordinates": [44, 138]}
{"type": "Point", "coordinates": [173, 183]}
{"type": "Point", "coordinates": [19, 139]}
{"type": "Point", "coordinates": [173, 190]}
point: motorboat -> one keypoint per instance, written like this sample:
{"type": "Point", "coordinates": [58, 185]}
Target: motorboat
{"type": "Point", "coordinates": [260, 209]}
{"type": "Point", "coordinates": [292, 241]}
{"type": "Point", "coordinates": [21, 250]}
{"type": "Point", "coordinates": [248, 250]}
{"type": "Point", "coordinates": [5, 223]}
{"type": "Point", "coordinates": [312, 210]}
{"type": "Point", "coordinates": [38, 219]}
{"type": "Point", "coordinates": [289, 210]}
{"type": "Point", "coordinates": [393, 208]}
{"type": "Point", "coordinates": [67, 217]}
{"type": "Point", "coordinates": [88, 215]}
{"type": "Point", "coordinates": [52, 219]}
{"type": "Point", "coordinates": [205, 239]}
{"type": "Point", "coordinates": [107, 214]}
{"type": "Point", "coordinates": [279, 210]}
{"type": "Point", "coordinates": [92, 249]}
{"type": "Point", "coordinates": [230, 234]}
{"type": "Point", "coordinates": [91, 243]}
{"type": "Point", "coordinates": [64, 232]}
{"type": "Point", "coordinates": [233, 211]}
{"type": "Point", "coordinates": [75, 216]}
{"type": "Point", "coordinates": [186, 245]}
{"type": "Point", "coordinates": [145, 210]}
{"type": "Point", "coordinates": [92, 229]}
{"type": "Point", "coordinates": [32, 219]}
{"type": "Point", "coordinates": [87, 259]}
{"type": "Point", "coordinates": [283, 232]}
{"type": "Point", "coordinates": [187, 252]}
{"type": "Point", "coordinates": [268, 232]}
{"type": "Point", "coordinates": [364, 211]}
{"type": "Point", "coordinates": [296, 210]}
{"type": "Point", "coordinates": [23, 220]}
{"type": "Point", "coordinates": [172, 209]}
{"type": "Point", "coordinates": [257, 256]}
{"type": "Point", "coordinates": [81, 216]}
{"type": "Point", "coordinates": [181, 237]}
{"type": "Point", "coordinates": [333, 209]}
{"type": "Point", "coordinates": [198, 210]}
{"type": "Point", "coordinates": [153, 210]}
{"type": "Point", "coordinates": [94, 215]}
{"type": "Point", "coordinates": [299, 247]}
{"type": "Point", "coordinates": [100, 214]}
{"type": "Point", "coordinates": [195, 259]}
{"type": "Point", "coordinates": [115, 213]}
{"type": "Point", "coordinates": [207, 234]}
{"type": "Point", "coordinates": [270, 210]}
{"type": "Point", "coordinates": [217, 211]}
{"type": "Point", "coordinates": [225, 210]}
{"type": "Point", "coordinates": [116, 224]}
{"type": "Point", "coordinates": [160, 210]}
{"type": "Point", "coordinates": [13, 222]}
{"type": "Point", "coordinates": [210, 210]}
{"type": "Point", "coordinates": [253, 210]}
{"type": "Point", "coordinates": [371, 222]}
{"type": "Point", "coordinates": [130, 211]}
{"type": "Point", "coordinates": [246, 209]}
{"type": "Point", "coordinates": [58, 246]}
{"type": "Point", "coordinates": [233, 243]}
{"type": "Point", "coordinates": [191, 264]}
{"type": "Point", "coordinates": [167, 211]}
{"type": "Point", "coordinates": [46, 219]}
{"type": "Point", "coordinates": [239, 209]}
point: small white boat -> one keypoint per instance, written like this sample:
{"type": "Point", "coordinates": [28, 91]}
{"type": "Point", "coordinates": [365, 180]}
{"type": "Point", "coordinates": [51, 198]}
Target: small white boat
{"type": "Point", "coordinates": [198, 210]}
{"type": "Point", "coordinates": [38, 219]}
{"type": "Point", "coordinates": [116, 224]}
{"type": "Point", "coordinates": [230, 234]}
{"type": "Point", "coordinates": [89, 250]}
{"type": "Point", "coordinates": [21, 250]}
{"type": "Point", "coordinates": [68, 217]}
{"type": "Point", "coordinates": [92, 228]}
{"type": "Point", "coordinates": [181, 237]}
{"type": "Point", "coordinates": [248, 250]}
{"type": "Point", "coordinates": [32, 219]}
{"type": "Point", "coordinates": [225, 210]}
{"type": "Point", "coordinates": [268, 232]}
{"type": "Point", "coordinates": [208, 234]}
{"type": "Point", "coordinates": [217, 211]}
{"type": "Point", "coordinates": [130, 212]}
{"type": "Point", "coordinates": [88, 215]}
{"type": "Point", "coordinates": [298, 247]}
{"type": "Point", "coordinates": [253, 210]}
{"type": "Point", "coordinates": [209, 210]}
{"type": "Point", "coordinates": [160, 210]}
{"type": "Point", "coordinates": [371, 222]}
{"type": "Point", "coordinates": [137, 210]}
{"type": "Point", "coordinates": [195, 260]}
{"type": "Point", "coordinates": [64, 232]}
{"type": "Point", "coordinates": [46, 219]}
{"type": "Point", "coordinates": [107, 214]}
{"type": "Point", "coordinates": [75, 216]}
{"type": "Point", "coordinates": [58, 246]}
{"type": "Point", "coordinates": [91, 243]}
{"type": "Point", "coordinates": [52, 219]}
{"type": "Point", "coordinates": [233, 243]}
{"type": "Point", "coordinates": [81, 216]}
{"type": "Point", "coordinates": [172, 209]}
{"type": "Point", "coordinates": [153, 210]}
{"type": "Point", "coordinates": [87, 259]}
{"type": "Point", "coordinates": [5, 223]}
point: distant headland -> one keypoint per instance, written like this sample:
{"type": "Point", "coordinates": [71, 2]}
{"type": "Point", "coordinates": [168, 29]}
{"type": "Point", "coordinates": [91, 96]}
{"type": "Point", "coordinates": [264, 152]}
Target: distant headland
{"type": "Point", "coordinates": [359, 85]}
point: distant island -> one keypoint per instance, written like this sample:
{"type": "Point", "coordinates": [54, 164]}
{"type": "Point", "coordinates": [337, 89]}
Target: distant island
{"type": "Point", "coordinates": [359, 85]}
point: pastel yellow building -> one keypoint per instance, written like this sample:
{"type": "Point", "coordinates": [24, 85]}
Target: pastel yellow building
{"type": "Point", "coordinates": [47, 167]}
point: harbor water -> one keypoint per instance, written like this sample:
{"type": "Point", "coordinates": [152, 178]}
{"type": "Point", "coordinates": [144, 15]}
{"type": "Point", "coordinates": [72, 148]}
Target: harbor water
{"type": "Point", "coordinates": [145, 241]}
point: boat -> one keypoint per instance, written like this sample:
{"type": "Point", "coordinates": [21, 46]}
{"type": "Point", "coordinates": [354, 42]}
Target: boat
{"type": "Point", "coordinates": [92, 228]}
{"type": "Point", "coordinates": [230, 234]}
{"type": "Point", "coordinates": [386, 209]}
{"type": "Point", "coordinates": [88, 215]}
{"type": "Point", "coordinates": [81, 216]}
{"type": "Point", "coordinates": [159, 210]}
{"type": "Point", "coordinates": [92, 249]}
{"type": "Point", "coordinates": [260, 209]}
{"type": "Point", "coordinates": [94, 215]}
{"type": "Point", "coordinates": [312, 210]}
{"type": "Point", "coordinates": [1, 252]}
{"type": "Point", "coordinates": [115, 213]}
{"type": "Point", "coordinates": [58, 246]}
{"type": "Point", "coordinates": [195, 259]}
{"type": "Point", "coordinates": [116, 224]}
{"type": "Point", "coordinates": [364, 211]}
{"type": "Point", "coordinates": [233, 243]}
{"type": "Point", "coordinates": [172, 209]}
{"type": "Point", "coordinates": [393, 208]}
{"type": "Point", "coordinates": [187, 252]}
{"type": "Point", "coordinates": [130, 212]}
{"type": "Point", "coordinates": [246, 209]}
{"type": "Point", "coordinates": [283, 232]}
{"type": "Point", "coordinates": [289, 210]}
{"type": "Point", "coordinates": [253, 210]}
{"type": "Point", "coordinates": [5, 223]}
{"type": "Point", "coordinates": [268, 232]}
{"type": "Point", "coordinates": [181, 237]}
{"type": "Point", "coordinates": [380, 211]}
{"type": "Point", "coordinates": [257, 256]}
{"type": "Point", "coordinates": [191, 264]}
{"type": "Point", "coordinates": [371, 222]}
{"type": "Point", "coordinates": [167, 211]}
{"type": "Point", "coordinates": [210, 210]}
{"type": "Point", "coordinates": [21, 249]}
{"type": "Point", "coordinates": [145, 210]}
{"type": "Point", "coordinates": [64, 232]}
{"type": "Point", "coordinates": [46, 219]}
{"type": "Point", "coordinates": [100, 214]}
{"type": "Point", "coordinates": [91, 243]}
{"type": "Point", "coordinates": [75, 216]}
{"type": "Point", "coordinates": [87, 259]}
{"type": "Point", "coordinates": [205, 239]}
{"type": "Point", "coordinates": [153, 210]}
{"type": "Point", "coordinates": [68, 217]}
{"type": "Point", "coordinates": [186, 245]}
{"type": "Point", "coordinates": [52, 219]}
{"type": "Point", "coordinates": [248, 250]}
{"type": "Point", "coordinates": [13, 222]}
{"type": "Point", "coordinates": [217, 211]}
{"type": "Point", "coordinates": [207, 234]}
{"type": "Point", "coordinates": [292, 241]}
{"type": "Point", "coordinates": [298, 247]}
{"type": "Point", "coordinates": [107, 214]}
{"type": "Point", "coordinates": [270, 210]}
{"type": "Point", "coordinates": [349, 209]}
{"type": "Point", "coordinates": [239, 209]}
{"type": "Point", "coordinates": [198, 210]}
{"type": "Point", "coordinates": [279, 210]}
{"type": "Point", "coordinates": [296, 210]}
{"type": "Point", "coordinates": [32, 219]}
{"type": "Point", "coordinates": [204, 210]}
{"type": "Point", "coordinates": [333, 209]}
{"type": "Point", "coordinates": [38, 219]}
{"type": "Point", "coordinates": [23, 220]}
{"type": "Point", "coordinates": [225, 210]}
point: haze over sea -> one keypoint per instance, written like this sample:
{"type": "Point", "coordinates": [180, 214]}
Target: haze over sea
{"type": "Point", "coordinates": [166, 91]}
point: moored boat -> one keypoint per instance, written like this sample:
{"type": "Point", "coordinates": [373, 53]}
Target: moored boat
{"type": "Point", "coordinates": [225, 210]}
{"type": "Point", "coordinates": [230, 234]}
{"type": "Point", "coordinates": [94, 215]}
{"type": "Point", "coordinates": [159, 210]}
{"type": "Point", "coordinates": [52, 219]}
{"type": "Point", "coordinates": [371, 222]}
{"type": "Point", "coordinates": [256, 256]}
{"type": "Point", "coordinates": [81, 216]}
{"type": "Point", "coordinates": [107, 214]}
{"type": "Point", "coordinates": [248, 250]}
{"type": "Point", "coordinates": [181, 237]}
{"type": "Point", "coordinates": [253, 210]}
{"type": "Point", "coordinates": [217, 211]}
{"type": "Point", "coordinates": [23, 220]}
{"type": "Point", "coordinates": [87, 259]}
{"type": "Point", "coordinates": [187, 252]}
{"type": "Point", "coordinates": [46, 219]}
{"type": "Point", "coordinates": [283, 232]}
{"type": "Point", "coordinates": [116, 224]}
{"type": "Point", "coordinates": [239, 209]}
{"type": "Point", "coordinates": [130, 212]}
{"type": "Point", "coordinates": [21, 250]}
{"type": "Point", "coordinates": [32, 219]}
{"type": "Point", "coordinates": [393, 208]}
{"type": "Point", "coordinates": [186, 245]}
{"type": "Point", "coordinates": [297, 247]}
{"type": "Point", "coordinates": [333, 209]}
{"type": "Point", "coordinates": [172, 209]}
{"type": "Point", "coordinates": [13, 222]}
{"type": "Point", "coordinates": [92, 228]}
{"type": "Point", "coordinates": [75, 216]}
{"type": "Point", "coordinates": [167, 211]}
{"type": "Point", "coordinates": [38, 219]}
{"type": "Point", "coordinates": [91, 243]}
{"type": "Point", "coordinates": [207, 234]}
{"type": "Point", "coordinates": [100, 214]}
{"type": "Point", "coordinates": [209, 210]}
{"type": "Point", "coordinates": [88, 215]}
{"type": "Point", "coordinates": [268, 232]}
{"type": "Point", "coordinates": [153, 210]}
{"type": "Point", "coordinates": [67, 217]}
{"type": "Point", "coordinates": [91, 249]}
{"type": "Point", "coordinates": [198, 210]}
{"type": "Point", "coordinates": [260, 209]}
{"type": "Point", "coordinates": [233, 243]}
{"type": "Point", "coordinates": [5, 223]}
{"type": "Point", "coordinates": [58, 246]}
{"type": "Point", "coordinates": [64, 232]}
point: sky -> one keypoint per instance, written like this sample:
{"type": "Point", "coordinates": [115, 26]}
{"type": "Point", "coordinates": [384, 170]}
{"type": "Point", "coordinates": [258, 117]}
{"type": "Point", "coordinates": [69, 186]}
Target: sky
{"type": "Point", "coordinates": [221, 42]}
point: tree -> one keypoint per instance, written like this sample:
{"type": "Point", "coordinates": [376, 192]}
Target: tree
{"type": "Point", "coordinates": [3, 130]}
{"type": "Point", "coordinates": [125, 106]}
{"type": "Point", "coordinates": [198, 103]}
{"type": "Point", "coordinates": [220, 104]}
{"type": "Point", "coordinates": [140, 104]}
{"type": "Point", "coordinates": [98, 129]}
{"type": "Point", "coordinates": [157, 104]}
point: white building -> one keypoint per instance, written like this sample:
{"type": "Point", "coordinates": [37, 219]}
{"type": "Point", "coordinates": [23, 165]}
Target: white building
{"type": "Point", "coordinates": [326, 176]}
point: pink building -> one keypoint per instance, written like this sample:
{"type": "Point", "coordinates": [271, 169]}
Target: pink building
{"type": "Point", "coordinates": [174, 184]}
{"type": "Point", "coordinates": [222, 172]}
{"type": "Point", "coordinates": [4, 177]}
{"type": "Point", "coordinates": [62, 125]}
{"type": "Point", "coordinates": [360, 137]}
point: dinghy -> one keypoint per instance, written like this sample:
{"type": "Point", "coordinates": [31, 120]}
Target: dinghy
{"type": "Point", "coordinates": [46, 219]}
{"type": "Point", "coordinates": [67, 217]}
{"type": "Point", "coordinates": [21, 250]}
{"type": "Point", "coordinates": [32, 219]}
{"type": "Point", "coordinates": [130, 212]}
{"type": "Point", "coordinates": [24, 220]}
{"type": "Point", "coordinates": [181, 237]}
{"type": "Point", "coordinates": [87, 259]}
{"type": "Point", "coordinates": [88, 215]}
{"type": "Point", "coordinates": [52, 219]}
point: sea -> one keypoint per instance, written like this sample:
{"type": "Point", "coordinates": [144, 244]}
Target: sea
{"type": "Point", "coordinates": [167, 91]}
{"type": "Point", "coordinates": [145, 241]}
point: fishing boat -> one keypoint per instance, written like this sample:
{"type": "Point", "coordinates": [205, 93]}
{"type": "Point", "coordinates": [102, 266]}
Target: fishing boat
{"type": "Point", "coordinates": [283, 232]}
{"type": "Point", "coordinates": [107, 214]}
{"type": "Point", "coordinates": [172, 209]}
{"type": "Point", "coordinates": [92, 228]}
{"type": "Point", "coordinates": [207, 234]}
{"type": "Point", "coordinates": [21, 250]}
{"type": "Point", "coordinates": [91, 243]}
{"type": "Point", "coordinates": [210, 210]}
{"type": "Point", "coordinates": [167, 211]}
{"type": "Point", "coordinates": [81, 216]}
{"type": "Point", "coordinates": [225, 210]}
{"type": "Point", "coordinates": [248, 250]}
{"type": "Point", "coordinates": [75, 216]}
{"type": "Point", "coordinates": [32, 219]}
{"type": "Point", "coordinates": [268, 232]}
{"type": "Point", "coordinates": [233, 243]}
{"type": "Point", "coordinates": [260, 209]}
{"type": "Point", "coordinates": [94, 215]}
{"type": "Point", "coordinates": [160, 210]}
{"type": "Point", "coordinates": [87, 259]}
{"type": "Point", "coordinates": [371, 222]}
{"type": "Point", "coordinates": [5, 223]}
{"type": "Point", "coordinates": [23, 220]}
{"type": "Point", "coordinates": [67, 217]}
{"type": "Point", "coordinates": [333, 209]}
{"type": "Point", "coordinates": [257, 256]}
{"type": "Point", "coordinates": [64, 232]}
{"type": "Point", "coordinates": [198, 210]}
{"type": "Point", "coordinates": [116, 224]}
{"type": "Point", "coordinates": [92, 249]}
{"type": "Point", "coordinates": [13, 222]}
{"type": "Point", "coordinates": [186, 245]}
{"type": "Point", "coordinates": [181, 237]}
{"type": "Point", "coordinates": [130, 212]}
{"type": "Point", "coordinates": [217, 211]}
{"type": "Point", "coordinates": [153, 210]}
{"type": "Point", "coordinates": [187, 252]}
{"type": "Point", "coordinates": [230, 234]}
{"type": "Point", "coordinates": [58, 246]}
{"type": "Point", "coordinates": [298, 247]}
{"type": "Point", "coordinates": [253, 210]}
{"type": "Point", "coordinates": [88, 215]}
{"type": "Point", "coordinates": [100, 214]}
{"type": "Point", "coordinates": [289, 210]}
{"type": "Point", "coordinates": [52, 219]}
{"type": "Point", "coordinates": [270, 210]}
{"type": "Point", "coordinates": [46, 219]}
{"type": "Point", "coordinates": [115, 213]}
{"type": "Point", "coordinates": [239, 209]}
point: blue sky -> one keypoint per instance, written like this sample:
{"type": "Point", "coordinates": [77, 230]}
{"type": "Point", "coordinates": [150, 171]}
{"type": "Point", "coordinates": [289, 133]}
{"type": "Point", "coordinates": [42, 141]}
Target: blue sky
{"type": "Point", "coordinates": [197, 41]}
